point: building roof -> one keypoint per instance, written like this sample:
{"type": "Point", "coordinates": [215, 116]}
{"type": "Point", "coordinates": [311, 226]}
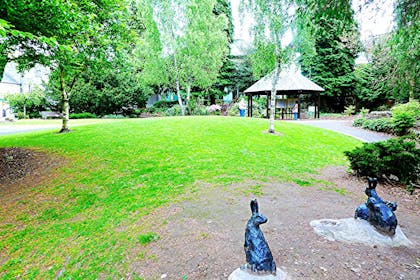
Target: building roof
{"type": "Point", "coordinates": [290, 81]}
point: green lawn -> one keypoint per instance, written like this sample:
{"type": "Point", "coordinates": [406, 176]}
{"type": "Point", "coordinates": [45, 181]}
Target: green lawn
{"type": "Point", "coordinates": [83, 218]}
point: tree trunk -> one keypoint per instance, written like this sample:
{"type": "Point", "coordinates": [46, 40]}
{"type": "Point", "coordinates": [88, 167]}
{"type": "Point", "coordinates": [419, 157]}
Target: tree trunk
{"type": "Point", "coordinates": [24, 109]}
{"type": "Point", "coordinates": [412, 86]}
{"type": "Point", "coordinates": [187, 103]}
{"type": "Point", "coordinates": [178, 91]}
{"type": "Point", "coordinates": [66, 106]}
{"type": "Point", "coordinates": [274, 80]}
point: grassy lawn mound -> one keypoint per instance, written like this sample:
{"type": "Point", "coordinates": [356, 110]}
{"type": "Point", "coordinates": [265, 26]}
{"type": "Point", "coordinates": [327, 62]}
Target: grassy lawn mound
{"type": "Point", "coordinates": [139, 198]}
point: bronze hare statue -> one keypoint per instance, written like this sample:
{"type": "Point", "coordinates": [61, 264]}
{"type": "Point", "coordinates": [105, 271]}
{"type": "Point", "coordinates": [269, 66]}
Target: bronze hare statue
{"type": "Point", "coordinates": [258, 255]}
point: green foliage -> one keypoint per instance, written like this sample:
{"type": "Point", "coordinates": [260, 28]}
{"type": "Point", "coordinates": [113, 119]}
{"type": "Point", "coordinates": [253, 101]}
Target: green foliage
{"type": "Point", "coordinates": [68, 36]}
{"type": "Point", "coordinates": [349, 110]}
{"type": "Point", "coordinates": [21, 116]}
{"type": "Point", "coordinates": [116, 172]}
{"type": "Point", "coordinates": [114, 116]}
{"type": "Point", "coordinates": [364, 112]}
{"type": "Point", "coordinates": [372, 88]}
{"type": "Point", "coordinates": [194, 49]}
{"type": "Point", "coordinates": [328, 40]}
{"type": "Point", "coordinates": [380, 125]}
{"type": "Point", "coordinates": [83, 116]}
{"type": "Point", "coordinates": [272, 20]}
{"type": "Point", "coordinates": [398, 157]}
{"type": "Point", "coordinates": [404, 45]}
{"type": "Point", "coordinates": [148, 237]}
{"type": "Point", "coordinates": [412, 108]}
{"type": "Point", "coordinates": [29, 103]}
{"type": "Point", "coordinates": [358, 121]}
{"type": "Point", "coordinates": [402, 122]}
{"type": "Point", "coordinates": [405, 116]}
{"type": "Point", "coordinates": [161, 104]}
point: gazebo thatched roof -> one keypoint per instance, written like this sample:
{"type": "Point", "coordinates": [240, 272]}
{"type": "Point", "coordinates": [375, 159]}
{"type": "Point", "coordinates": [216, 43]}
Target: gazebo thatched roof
{"type": "Point", "coordinates": [290, 81]}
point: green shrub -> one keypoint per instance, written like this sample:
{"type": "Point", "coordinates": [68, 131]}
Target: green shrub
{"type": "Point", "coordinates": [163, 104]}
{"type": "Point", "coordinates": [412, 108]}
{"type": "Point", "coordinates": [21, 115]}
{"type": "Point", "coordinates": [349, 110]}
{"type": "Point", "coordinates": [380, 125]}
{"type": "Point", "coordinates": [402, 122]}
{"type": "Point", "coordinates": [398, 157]}
{"type": "Point", "coordinates": [358, 122]}
{"type": "Point", "coordinates": [82, 116]}
{"type": "Point", "coordinates": [173, 111]}
{"type": "Point", "coordinates": [114, 116]}
{"type": "Point", "coordinates": [364, 112]}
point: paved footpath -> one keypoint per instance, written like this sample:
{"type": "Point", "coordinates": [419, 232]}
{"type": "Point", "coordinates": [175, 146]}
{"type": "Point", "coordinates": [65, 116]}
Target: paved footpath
{"type": "Point", "coordinates": [345, 127]}
{"type": "Point", "coordinates": [12, 129]}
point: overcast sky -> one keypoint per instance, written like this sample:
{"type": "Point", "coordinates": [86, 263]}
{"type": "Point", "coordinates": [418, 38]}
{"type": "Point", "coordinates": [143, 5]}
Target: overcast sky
{"type": "Point", "coordinates": [374, 19]}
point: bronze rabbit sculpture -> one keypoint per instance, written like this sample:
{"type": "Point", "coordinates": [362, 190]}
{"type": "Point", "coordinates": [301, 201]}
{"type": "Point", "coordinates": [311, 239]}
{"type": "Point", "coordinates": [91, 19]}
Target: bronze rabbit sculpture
{"type": "Point", "coordinates": [258, 255]}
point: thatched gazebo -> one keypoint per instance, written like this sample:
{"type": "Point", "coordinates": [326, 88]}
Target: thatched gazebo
{"type": "Point", "coordinates": [289, 88]}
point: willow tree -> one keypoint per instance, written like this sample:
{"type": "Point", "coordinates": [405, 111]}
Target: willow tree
{"type": "Point", "coordinates": [193, 45]}
{"type": "Point", "coordinates": [270, 22]}
{"type": "Point", "coordinates": [204, 46]}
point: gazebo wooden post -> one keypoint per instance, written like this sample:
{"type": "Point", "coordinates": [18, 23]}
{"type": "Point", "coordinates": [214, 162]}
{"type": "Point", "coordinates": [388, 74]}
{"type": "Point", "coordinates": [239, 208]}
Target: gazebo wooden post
{"type": "Point", "coordinates": [268, 105]}
{"type": "Point", "coordinates": [298, 106]}
{"type": "Point", "coordinates": [319, 105]}
{"type": "Point", "coordinates": [250, 105]}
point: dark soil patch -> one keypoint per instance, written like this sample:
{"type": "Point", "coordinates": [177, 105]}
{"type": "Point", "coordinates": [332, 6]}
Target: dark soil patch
{"type": "Point", "coordinates": [18, 166]}
{"type": "Point", "coordinates": [202, 236]}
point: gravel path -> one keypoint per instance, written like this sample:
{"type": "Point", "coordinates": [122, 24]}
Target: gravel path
{"type": "Point", "coordinates": [345, 127]}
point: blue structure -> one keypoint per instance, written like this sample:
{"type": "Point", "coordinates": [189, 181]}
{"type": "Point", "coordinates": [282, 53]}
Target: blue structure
{"type": "Point", "coordinates": [376, 211]}
{"type": "Point", "coordinates": [258, 255]}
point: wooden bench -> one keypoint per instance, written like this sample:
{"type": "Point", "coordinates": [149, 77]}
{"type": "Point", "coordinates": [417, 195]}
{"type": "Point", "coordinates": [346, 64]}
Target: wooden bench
{"type": "Point", "coordinates": [50, 114]}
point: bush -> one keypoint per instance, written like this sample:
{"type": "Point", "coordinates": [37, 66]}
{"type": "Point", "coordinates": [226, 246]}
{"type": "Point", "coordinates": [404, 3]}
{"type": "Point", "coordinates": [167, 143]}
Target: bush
{"type": "Point", "coordinates": [21, 115]}
{"type": "Point", "coordinates": [349, 110]}
{"type": "Point", "coordinates": [175, 110]}
{"type": "Point", "coordinates": [82, 116]}
{"type": "Point", "coordinates": [398, 157]}
{"type": "Point", "coordinates": [364, 112]}
{"type": "Point", "coordinates": [402, 122]}
{"type": "Point", "coordinates": [114, 116]}
{"type": "Point", "coordinates": [163, 104]}
{"type": "Point", "coordinates": [412, 108]}
{"type": "Point", "coordinates": [379, 125]}
{"type": "Point", "coordinates": [359, 122]}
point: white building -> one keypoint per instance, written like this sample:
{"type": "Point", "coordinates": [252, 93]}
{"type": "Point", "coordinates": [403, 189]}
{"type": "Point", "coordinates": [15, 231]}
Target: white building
{"type": "Point", "coordinates": [14, 82]}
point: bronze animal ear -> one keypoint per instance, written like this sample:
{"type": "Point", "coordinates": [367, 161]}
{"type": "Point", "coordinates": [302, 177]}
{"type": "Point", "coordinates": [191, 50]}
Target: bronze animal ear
{"type": "Point", "coordinates": [254, 206]}
{"type": "Point", "coordinates": [372, 182]}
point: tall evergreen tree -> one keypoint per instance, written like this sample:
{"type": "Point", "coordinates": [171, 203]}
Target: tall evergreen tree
{"type": "Point", "coordinates": [404, 46]}
{"type": "Point", "coordinates": [328, 40]}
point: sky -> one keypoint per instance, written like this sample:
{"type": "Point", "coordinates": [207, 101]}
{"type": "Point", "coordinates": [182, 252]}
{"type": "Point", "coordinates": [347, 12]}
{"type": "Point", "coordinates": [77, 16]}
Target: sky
{"type": "Point", "coordinates": [374, 19]}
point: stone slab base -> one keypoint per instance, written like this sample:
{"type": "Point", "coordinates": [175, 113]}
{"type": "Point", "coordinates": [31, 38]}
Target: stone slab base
{"type": "Point", "coordinates": [358, 231]}
{"type": "Point", "coordinates": [240, 274]}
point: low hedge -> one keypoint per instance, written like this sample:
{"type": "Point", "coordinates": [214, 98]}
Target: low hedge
{"type": "Point", "coordinates": [380, 125]}
{"type": "Point", "coordinates": [82, 116]}
{"type": "Point", "coordinates": [398, 157]}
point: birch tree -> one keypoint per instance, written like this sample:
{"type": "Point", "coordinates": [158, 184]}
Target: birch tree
{"type": "Point", "coordinates": [204, 46]}
{"type": "Point", "coordinates": [271, 21]}
{"type": "Point", "coordinates": [193, 45]}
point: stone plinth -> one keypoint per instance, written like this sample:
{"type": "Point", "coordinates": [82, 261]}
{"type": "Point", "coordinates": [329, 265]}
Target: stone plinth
{"type": "Point", "coordinates": [240, 274]}
{"type": "Point", "coordinates": [358, 231]}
